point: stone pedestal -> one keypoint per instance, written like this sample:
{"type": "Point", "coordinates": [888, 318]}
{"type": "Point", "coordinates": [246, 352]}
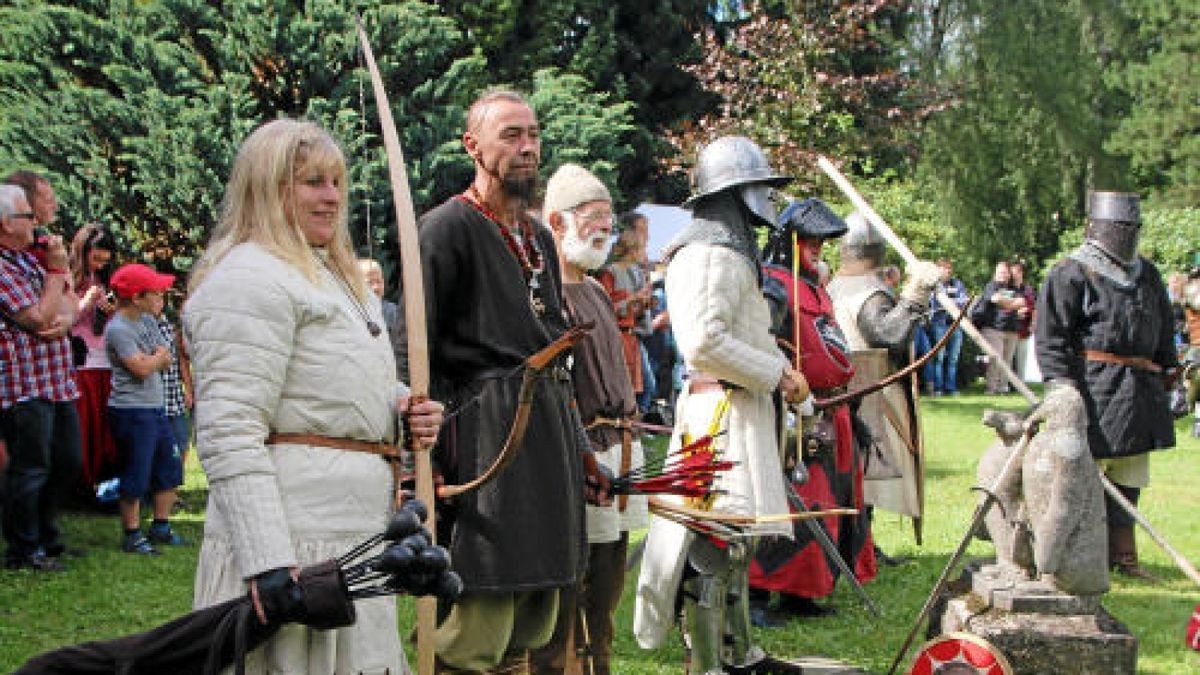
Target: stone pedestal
{"type": "Point", "coordinates": [1040, 630]}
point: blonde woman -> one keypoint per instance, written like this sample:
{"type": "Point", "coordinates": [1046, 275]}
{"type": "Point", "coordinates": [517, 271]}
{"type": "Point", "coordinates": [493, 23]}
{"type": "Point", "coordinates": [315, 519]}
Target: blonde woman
{"type": "Point", "coordinates": [293, 371]}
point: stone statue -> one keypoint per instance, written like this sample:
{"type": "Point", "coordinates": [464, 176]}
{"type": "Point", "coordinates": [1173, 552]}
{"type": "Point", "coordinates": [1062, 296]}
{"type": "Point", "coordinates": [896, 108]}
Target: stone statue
{"type": "Point", "coordinates": [1051, 526]}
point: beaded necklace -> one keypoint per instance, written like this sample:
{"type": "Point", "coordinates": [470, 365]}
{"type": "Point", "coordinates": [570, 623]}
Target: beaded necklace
{"type": "Point", "coordinates": [528, 253]}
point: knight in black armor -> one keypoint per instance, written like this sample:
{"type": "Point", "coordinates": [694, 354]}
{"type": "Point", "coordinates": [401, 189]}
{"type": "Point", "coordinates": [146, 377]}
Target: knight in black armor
{"type": "Point", "coordinates": [1103, 325]}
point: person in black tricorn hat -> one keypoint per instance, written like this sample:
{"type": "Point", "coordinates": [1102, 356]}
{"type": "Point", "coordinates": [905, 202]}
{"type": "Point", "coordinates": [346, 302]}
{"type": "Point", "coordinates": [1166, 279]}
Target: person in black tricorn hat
{"type": "Point", "coordinates": [1103, 325]}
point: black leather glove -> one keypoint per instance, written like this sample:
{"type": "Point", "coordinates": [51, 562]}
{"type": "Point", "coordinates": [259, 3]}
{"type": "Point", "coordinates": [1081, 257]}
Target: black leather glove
{"type": "Point", "coordinates": [281, 598]}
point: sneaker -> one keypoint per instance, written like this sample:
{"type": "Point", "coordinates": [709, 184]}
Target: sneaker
{"type": "Point", "coordinates": [36, 561]}
{"type": "Point", "coordinates": [166, 536]}
{"type": "Point", "coordinates": [137, 542]}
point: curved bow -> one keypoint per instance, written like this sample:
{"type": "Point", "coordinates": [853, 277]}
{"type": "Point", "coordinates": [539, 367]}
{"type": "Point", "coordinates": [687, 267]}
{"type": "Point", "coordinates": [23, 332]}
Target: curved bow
{"type": "Point", "coordinates": [516, 433]}
{"type": "Point", "coordinates": [823, 403]}
{"type": "Point", "coordinates": [414, 318]}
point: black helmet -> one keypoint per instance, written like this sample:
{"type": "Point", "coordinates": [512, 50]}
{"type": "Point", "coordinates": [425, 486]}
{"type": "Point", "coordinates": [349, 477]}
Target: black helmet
{"type": "Point", "coordinates": [812, 219]}
{"type": "Point", "coordinates": [1120, 207]}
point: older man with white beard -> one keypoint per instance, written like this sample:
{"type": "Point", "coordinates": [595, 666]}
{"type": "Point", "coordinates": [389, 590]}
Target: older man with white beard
{"type": "Point", "coordinates": [578, 210]}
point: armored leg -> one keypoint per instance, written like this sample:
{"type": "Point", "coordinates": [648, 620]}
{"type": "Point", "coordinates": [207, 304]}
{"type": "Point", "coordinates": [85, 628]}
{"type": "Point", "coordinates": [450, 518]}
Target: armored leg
{"type": "Point", "coordinates": [704, 597]}
{"type": "Point", "coordinates": [737, 608]}
{"type": "Point", "coordinates": [742, 655]}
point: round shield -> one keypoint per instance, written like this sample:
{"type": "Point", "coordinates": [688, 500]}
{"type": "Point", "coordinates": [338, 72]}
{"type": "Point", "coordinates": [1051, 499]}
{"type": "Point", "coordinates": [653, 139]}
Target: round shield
{"type": "Point", "coordinates": [960, 654]}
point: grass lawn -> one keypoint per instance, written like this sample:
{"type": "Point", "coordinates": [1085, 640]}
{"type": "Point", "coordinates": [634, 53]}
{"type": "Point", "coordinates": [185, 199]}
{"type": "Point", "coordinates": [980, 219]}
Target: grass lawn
{"type": "Point", "coordinates": [109, 594]}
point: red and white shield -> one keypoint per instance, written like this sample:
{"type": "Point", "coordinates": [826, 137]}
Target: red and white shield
{"type": "Point", "coordinates": [960, 654]}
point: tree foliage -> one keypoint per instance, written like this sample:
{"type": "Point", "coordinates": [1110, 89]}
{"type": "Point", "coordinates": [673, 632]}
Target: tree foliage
{"type": "Point", "coordinates": [1161, 132]}
{"type": "Point", "coordinates": [803, 78]}
{"type": "Point", "coordinates": [634, 51]}
{"type": "Point", "coordinates": [1051, 100]}
{"type": "Point", "coordinates": [135, 109]}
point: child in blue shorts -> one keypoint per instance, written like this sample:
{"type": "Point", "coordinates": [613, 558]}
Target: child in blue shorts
{"type": "Point", "coordinates": [146, 443]}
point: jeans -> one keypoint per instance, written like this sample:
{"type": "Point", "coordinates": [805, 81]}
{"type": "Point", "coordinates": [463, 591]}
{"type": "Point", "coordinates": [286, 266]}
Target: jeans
{"type": "Point", "coordinates": [44, 457]}
{"type": "Point", "coordinates": [945, 362]}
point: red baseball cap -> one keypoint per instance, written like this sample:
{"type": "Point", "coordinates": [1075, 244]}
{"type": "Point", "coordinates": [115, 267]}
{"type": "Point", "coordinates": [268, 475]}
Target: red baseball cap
{"type": "Point", "coordinates": [130, 280]}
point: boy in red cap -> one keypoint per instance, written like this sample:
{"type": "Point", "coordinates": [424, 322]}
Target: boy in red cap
{"type": "Point", "coordinates": [141, 431]}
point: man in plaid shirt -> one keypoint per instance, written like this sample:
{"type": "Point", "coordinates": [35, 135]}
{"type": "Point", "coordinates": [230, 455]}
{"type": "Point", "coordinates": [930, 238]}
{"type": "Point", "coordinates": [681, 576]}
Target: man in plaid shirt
{"type": "Point", "coordinates": [37, 385]}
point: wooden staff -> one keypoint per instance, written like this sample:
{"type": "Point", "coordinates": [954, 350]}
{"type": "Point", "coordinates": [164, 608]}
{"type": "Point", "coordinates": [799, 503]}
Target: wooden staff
{"type": "Point", "coordinates": [905, 252]}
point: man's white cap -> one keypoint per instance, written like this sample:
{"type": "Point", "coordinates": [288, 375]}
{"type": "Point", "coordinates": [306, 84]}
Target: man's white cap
{"type": "Point", "coordinates": [570, 186]}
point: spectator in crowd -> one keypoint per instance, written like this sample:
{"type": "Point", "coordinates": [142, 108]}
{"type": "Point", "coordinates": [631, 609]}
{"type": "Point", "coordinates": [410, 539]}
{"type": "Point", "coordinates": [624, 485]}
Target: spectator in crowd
{"type": "Point", "coordinates": [92, 251]}
{"type": "Point", "coordinates": [662, 351]}
{"type": "Point", "coordinates": [40, 195]}
{"type": "Point", "coordinates": [578, 209]}
{"type": "Point", "coordinates": [38, 418]}
{"type": "Point", "coordinates": [139, 354]}
{"type": "Point", "coordinates": [997, 316]}
{"type": "Point", "coordinates": [941, 373]}
{"type": "Point", "coordinates": [44, 206]}
{"type": "Point", "coordinates": [1175, 291]}
{"type": "Point", "coordinates": [373, 274]}
{"type": "Point", "coordinates": [1024, 317]}
{"type": "Point", "coordinates": [629, 287]}
{"type": "Point", "coordinates": [640, 226]}
{"type": "Point", "coordinates": [177, 384]}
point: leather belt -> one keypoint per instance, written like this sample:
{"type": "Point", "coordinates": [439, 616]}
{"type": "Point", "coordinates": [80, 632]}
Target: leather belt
{"type": "Point", "coordinates": [699, 383]}
{"type": "Point", "coordinates": [386, 450]}
{"type": "Point", "coordinates": [625, 425]}
{"type": "Point", "coordinates": [1139, 362]}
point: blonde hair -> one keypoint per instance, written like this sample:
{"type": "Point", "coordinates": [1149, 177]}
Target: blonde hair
{"type": "Point", "coordinates": [261, 181]}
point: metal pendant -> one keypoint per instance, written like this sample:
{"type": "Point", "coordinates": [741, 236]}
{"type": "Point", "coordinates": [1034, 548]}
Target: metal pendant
{"type": "Point", "coordinates": [539, 307]}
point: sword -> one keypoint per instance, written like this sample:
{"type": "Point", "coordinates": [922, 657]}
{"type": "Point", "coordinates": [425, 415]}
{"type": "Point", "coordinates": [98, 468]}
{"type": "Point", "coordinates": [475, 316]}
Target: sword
{"type": "Point", "coordinates": [830, 550]}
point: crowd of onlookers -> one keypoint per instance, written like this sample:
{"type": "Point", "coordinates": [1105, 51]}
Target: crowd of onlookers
{"type": "Point", "coordinates": [94, 383]}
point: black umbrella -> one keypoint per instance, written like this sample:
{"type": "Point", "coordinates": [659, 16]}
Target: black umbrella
{"type": "Point", "coordinates": [204, 641]}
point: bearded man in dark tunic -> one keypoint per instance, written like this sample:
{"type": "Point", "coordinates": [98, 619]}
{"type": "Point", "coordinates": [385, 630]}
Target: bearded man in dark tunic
{"type": "Point", "coordinates": [493, 298]}
{"type": "Point", "coordinates": [1103, 325]}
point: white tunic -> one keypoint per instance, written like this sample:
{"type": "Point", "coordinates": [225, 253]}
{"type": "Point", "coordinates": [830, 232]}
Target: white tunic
{"type": "Point", "coordinates": [721, 323]}
{"type": "Point", "coordinates": [886, 413]}
{"type": "Point", "coordinates": [272, 351]}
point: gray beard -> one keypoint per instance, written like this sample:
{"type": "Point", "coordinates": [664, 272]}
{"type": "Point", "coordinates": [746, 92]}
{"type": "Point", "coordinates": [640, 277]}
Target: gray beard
{"type": "Point", "coordinates": [581, 253]}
